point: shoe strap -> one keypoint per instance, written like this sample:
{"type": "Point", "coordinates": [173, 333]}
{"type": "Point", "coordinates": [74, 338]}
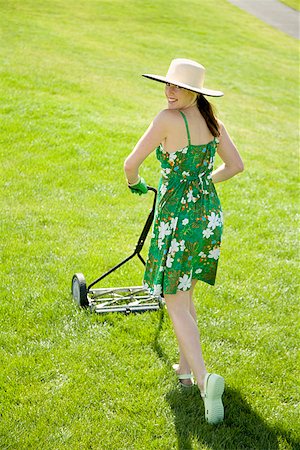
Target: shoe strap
{"type": "Point", "coordinates": [203, 394]}
{"type": "Point", "coordinates": [185, 376]}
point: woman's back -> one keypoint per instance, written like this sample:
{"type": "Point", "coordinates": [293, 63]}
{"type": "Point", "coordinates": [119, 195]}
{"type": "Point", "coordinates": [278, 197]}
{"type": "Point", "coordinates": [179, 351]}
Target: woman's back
{"type": "Point", "coordinates": [177, 133]}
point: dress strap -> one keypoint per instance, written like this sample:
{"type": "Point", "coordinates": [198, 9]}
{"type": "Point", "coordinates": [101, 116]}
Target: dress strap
{"type": "Point", "coordinates": [187, 127]}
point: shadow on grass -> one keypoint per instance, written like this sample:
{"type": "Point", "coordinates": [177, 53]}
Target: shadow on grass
{"type": "Point", "coordinates": [242, 428]}
{"type": "Point", "coordinates": [156, 345]}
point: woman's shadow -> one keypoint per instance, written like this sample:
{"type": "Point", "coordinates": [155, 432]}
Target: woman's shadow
{"type": "Point", "coordinates": [242, 428]}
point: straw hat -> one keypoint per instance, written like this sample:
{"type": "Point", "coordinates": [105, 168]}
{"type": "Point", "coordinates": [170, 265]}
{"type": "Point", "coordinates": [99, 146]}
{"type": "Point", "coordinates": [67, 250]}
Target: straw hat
{"type": "Point", "coordinates": [187, 74]}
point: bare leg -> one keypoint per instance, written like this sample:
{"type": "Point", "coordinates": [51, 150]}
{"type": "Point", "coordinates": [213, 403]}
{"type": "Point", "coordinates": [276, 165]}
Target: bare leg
{"type": "Point", "coordinates": [186, 330]}
{"type": "Point", "coordinates": [183, 364]}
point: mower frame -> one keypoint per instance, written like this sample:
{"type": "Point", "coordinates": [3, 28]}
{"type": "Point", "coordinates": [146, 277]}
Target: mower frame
{"type": "Point", "coordinates": [130, 299]}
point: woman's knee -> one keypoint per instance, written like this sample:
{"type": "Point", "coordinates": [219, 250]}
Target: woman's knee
{"type": "Point", "coordinates": [177, 303]}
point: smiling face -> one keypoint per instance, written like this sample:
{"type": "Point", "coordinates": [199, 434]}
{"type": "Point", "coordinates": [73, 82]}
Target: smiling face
{"type": "Point", "coordinates": [179, 98]}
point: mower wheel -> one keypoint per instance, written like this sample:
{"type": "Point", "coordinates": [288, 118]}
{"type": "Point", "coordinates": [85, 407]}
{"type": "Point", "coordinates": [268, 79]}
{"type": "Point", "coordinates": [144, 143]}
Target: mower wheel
{"type": "Point", "coordinates": [79, 290]}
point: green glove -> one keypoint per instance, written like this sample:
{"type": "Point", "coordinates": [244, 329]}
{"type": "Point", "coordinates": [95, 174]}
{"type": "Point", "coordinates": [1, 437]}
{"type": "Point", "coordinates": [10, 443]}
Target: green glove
{"type": "Point", "coordinates": [139, 188]}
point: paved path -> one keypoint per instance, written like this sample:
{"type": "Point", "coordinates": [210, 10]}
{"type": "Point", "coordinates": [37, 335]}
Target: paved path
{"type": "Point", "coordinates": [274, 13]}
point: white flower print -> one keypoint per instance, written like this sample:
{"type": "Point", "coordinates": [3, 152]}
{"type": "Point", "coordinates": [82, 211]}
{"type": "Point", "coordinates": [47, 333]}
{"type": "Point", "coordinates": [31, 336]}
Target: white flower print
{"type": "Point", "coordinates": [169, 261]}
{"type": "Point", "coordinates": [184, 150]}
{"type": "Point", "coordinates": [182, 245]}
{"type": "Point", "coordinates": [183, 201]}
{"type": "Point", "coordinates": [157, 289]}
{"type": "Point", "coordinates": [215, 253]}
{"type": "Point", "coordinates": [198, 271]}
{"type": "Point", "coordinates": [161, 269]}
{"type": "Point", "coordinates": [163, 189]}
{"type": "Point", "coordinates": [174, 223]}
{"type": "Point", "coordinates": [221, 218]}
{"type": "Point", "coordinates": [211, 162]}
{"type": "Point", "coordinates": [174, 247]}
{"type": "Point", "coordinates": [164, 230]}
{"type": "Point", "coordinates": [172, 156]}
{"type": "Point", "coordinates": [214, 220]}
{"type": "Point", "coordinates": [184, 282]}
{"type": "Point", "coordinates": [190, 196]}
{"type": "Point", "coordinates": [207, 233]}
{"type": "Point", "coordinates": [160, 243]}
{"type": "Point", "coordinates": [202, 255]}
{"type": "Point", "coordinates": [185, 174]}
{"type": "Point", "coordinates": [185, 221]}
{"type": "Point", "coordinates": [165, 172]}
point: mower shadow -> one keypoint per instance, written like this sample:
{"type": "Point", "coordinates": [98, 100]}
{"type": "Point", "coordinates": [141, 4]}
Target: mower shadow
{"type": "Point", "coordinates": [242, 428]}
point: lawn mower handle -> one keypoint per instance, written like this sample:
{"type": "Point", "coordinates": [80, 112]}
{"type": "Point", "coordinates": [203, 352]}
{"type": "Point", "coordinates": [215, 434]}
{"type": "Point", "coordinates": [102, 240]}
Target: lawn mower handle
{"type": "Point", "coordinates": [150, 188]}
{"type": "Point", "coordinates": [140, 243]}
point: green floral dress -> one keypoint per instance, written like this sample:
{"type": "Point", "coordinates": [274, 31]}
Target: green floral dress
{"type": "Point", "coordinates": [188, 222]}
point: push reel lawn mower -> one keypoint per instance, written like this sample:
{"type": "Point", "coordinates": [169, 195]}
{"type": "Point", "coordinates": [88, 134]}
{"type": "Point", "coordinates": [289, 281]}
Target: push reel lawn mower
{"type": "Point", "coordinates": [132, 299]}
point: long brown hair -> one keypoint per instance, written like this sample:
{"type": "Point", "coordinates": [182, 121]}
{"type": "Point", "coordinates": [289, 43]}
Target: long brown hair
{"type": "Point", "coordinates": [207, 111]}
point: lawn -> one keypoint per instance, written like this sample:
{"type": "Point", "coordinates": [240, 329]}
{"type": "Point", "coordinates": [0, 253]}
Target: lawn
{"type": "Point", "coordinates": [295, 4]}
{"type": "Point", "coordinates": [73, 104]}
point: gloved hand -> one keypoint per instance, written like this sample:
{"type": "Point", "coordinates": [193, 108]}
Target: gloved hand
{"type": "Point", "coordinates": [140, 187]}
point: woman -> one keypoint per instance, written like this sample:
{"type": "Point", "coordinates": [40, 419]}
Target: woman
{"type": "Point", "coordinates": [185, 244]}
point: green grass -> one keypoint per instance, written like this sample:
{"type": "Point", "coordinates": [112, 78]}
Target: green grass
{"type": "Point", "coordinates": [73, 105]}
{"type": "Point", "coordinates": [295, 4]}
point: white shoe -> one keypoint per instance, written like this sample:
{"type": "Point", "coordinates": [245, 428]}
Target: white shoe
{"type": "Point", "coordinates": [212, 397]}
{"type": "Point", "coordinates": [183, 376]}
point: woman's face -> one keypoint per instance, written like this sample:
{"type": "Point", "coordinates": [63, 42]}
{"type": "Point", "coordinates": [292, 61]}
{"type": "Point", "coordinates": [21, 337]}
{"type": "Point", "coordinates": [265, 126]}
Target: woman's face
{"type": "Point", "coordinates": [179, 98]}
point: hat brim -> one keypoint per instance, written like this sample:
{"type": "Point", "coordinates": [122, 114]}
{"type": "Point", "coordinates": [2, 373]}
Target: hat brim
{"type": "Point", "coordinates": [204, 91]}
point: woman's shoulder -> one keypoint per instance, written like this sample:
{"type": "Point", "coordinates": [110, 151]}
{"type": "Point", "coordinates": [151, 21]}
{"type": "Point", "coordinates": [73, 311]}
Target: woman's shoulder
{"type": "Point", "coordinates": [167, 117]}
{"type": "Point", "coordinates": [220, 125]}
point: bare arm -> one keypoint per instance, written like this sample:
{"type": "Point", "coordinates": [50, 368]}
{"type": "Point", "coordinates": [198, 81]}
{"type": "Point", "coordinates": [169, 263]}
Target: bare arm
{"type": "Point", "coordinates": [154, 135]}
{"type": "Point", "coordinates": [228, 152]}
